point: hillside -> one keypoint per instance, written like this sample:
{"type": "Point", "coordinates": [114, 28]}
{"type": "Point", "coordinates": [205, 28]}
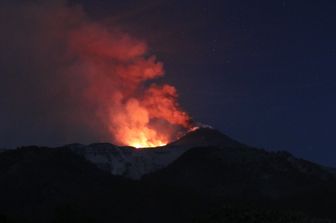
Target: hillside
{"type": "Point", "coordinates": [219, 179]}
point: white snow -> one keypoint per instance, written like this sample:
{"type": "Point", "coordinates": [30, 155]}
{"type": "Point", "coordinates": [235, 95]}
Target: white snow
{"type": "Point", "coordinates": [129, 162]}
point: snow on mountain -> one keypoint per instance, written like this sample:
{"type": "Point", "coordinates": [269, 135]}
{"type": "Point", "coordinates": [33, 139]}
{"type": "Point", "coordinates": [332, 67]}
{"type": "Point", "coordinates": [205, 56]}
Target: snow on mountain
{"type": "Point", "coordinates": [126, 161]}
{"type": "Point", "coordinates": [134, 163]}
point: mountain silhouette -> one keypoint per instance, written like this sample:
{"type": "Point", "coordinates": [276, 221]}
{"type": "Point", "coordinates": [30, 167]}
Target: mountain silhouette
{"type": "Point", "coordinates": [205, 137]}
{"type": "Point", "coordinates": [203, 176]}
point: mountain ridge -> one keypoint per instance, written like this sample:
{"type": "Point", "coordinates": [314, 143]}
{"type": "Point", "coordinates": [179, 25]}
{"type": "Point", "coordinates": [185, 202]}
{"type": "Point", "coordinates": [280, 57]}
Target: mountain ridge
{"type": "Point", "coordinates": [104, 182]}
{"type": "Point", "coordinates": [135, 163]}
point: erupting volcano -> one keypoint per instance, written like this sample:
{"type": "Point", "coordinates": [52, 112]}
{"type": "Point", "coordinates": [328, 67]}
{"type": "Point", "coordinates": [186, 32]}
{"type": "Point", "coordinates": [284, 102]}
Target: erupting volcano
{"type": "Point", "coordinates": [117, 69]}
{"type": "Point", "coordinates": [151, 120]}
{"type": "Point", "coordinates": [100, 79]}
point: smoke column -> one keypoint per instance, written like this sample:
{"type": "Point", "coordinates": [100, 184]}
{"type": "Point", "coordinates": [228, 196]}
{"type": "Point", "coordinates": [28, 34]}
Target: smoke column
{"type": "Point", "coordinates": [78, 77]}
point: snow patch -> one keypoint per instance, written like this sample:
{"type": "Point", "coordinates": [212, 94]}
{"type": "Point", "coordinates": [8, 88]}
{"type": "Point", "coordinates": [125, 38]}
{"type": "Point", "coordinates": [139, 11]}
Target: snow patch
{"type": "Point", "coordinates": [126, 161]}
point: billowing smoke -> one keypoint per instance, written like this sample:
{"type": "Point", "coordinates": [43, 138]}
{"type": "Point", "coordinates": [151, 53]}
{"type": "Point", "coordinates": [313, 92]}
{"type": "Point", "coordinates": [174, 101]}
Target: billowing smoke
{"type": "Point", "coordinates": [66, 77]}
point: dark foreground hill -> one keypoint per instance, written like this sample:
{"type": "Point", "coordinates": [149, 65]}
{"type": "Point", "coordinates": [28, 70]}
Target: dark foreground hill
{"type": "Point", "coordinates": [221, 180]}
{"type": "Point", "coordinates": [247, 175]}
{"type": "Point", "coordinates": [57, 185]}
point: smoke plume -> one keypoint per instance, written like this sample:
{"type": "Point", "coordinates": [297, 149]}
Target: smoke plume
{"type": "Point", "coordinates": [66, 77]}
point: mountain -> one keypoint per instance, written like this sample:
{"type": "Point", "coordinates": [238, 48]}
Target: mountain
{"type": "Point", "coordinates": [206, 136]}
{"type": "Point", "coordinates": [55, 185]}
{"type": "Point", "coordinates": [248, 172]}
{"type": "Point", "coordinates": [205, 176]}
{"type": "Point", "coordinates": [236, 172]}
{"type": "Point", "coordinates": [135, 163]}
{"type": "Point", "coordinates": [35, 182]}
{"type": "Point", "coordinates": [126, 161]}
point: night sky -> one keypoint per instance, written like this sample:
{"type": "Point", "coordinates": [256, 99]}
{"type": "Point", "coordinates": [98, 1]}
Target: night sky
{"type": "Point", "coordinates": [262, 72]}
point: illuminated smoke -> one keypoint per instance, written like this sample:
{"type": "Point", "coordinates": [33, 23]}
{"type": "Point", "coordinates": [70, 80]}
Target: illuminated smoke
{"type": "Point", "coordinates": [96, 77]}
{"type": "Point", "coordinates": [116, 68]}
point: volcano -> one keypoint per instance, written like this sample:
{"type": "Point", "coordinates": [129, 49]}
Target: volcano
{"type": "Point", "coordinates": [198, 174]}
{"type": "Point", "coordinates": [134, 163]}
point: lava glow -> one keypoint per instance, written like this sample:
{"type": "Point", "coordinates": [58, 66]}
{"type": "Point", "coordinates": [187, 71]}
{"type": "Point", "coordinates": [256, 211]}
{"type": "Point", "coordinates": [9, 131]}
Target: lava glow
{"type": "Point", "coordinates": [105, 77]}
{"type": "Point", "coordinates": [150, 121]}
{"type": "Point", "coordinates": [117, 69]}
{"type": "Point", "coordinates": [143, 143]}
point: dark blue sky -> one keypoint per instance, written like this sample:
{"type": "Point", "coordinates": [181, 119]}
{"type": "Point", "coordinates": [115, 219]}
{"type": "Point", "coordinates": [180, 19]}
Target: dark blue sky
{"type": "Point", "coordinates": [260, 71]}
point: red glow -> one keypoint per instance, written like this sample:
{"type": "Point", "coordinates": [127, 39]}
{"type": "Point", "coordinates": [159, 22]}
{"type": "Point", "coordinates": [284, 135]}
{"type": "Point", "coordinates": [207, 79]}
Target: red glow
{"type": "Point", "coordinates": [115, 68]}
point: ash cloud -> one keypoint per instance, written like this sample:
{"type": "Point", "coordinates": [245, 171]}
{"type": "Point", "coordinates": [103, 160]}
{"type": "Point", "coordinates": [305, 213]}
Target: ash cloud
{"type": "Point", "coordinates": [65, 78]}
